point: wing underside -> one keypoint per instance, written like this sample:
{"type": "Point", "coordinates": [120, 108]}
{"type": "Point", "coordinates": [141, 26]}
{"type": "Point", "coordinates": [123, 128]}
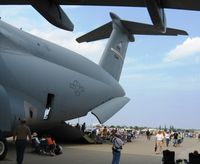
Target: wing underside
{"type": "Point", "coordinates": [52, 11]}
{"type": "Point", "coordinates": [172, 4]}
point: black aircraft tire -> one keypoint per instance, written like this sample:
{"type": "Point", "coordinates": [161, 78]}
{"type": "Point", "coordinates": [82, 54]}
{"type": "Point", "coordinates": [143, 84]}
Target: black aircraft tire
{"type": "Point", "coordinates": [3, 148]}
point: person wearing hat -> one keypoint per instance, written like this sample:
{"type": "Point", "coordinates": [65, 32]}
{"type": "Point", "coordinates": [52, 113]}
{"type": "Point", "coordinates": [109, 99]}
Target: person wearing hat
{"type": "Point", "coordinates": [116, 148]}
{"type": "Point", "coordinates": [20, 139]}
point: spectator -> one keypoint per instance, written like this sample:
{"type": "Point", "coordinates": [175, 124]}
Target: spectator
{"type": "Point", "coordinates": [116, 148]}
{"type": "Point", "coordinates": [83, 127]}
{"type": "Point", "coordinates": [159, 142]}
{"type": "Point", "coordinates": [51, 144]}
{"type": "Point", "coordinates": [20, 139]}
{"type": "Point", "coordinates": [148, 135]}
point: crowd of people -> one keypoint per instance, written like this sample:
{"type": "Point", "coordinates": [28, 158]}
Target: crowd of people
{"type": "Point", "coordinates": [162, 137]}
{"type": "Point", "coordinates": [45, 145]}
{"type": "Point", "coordinates": [102, 134]}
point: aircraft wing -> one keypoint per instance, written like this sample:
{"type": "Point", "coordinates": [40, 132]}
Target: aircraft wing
{"type": "Point", "coordinates": [51, 10]}
{"type": "Point", "coordinates": [15, 2]}
{"type": "Point", "coordinates": [172, 4]}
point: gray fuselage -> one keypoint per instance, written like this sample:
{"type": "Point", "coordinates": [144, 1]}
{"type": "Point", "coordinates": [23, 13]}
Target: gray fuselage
{"type": "Point", "coordinates": [31, 68]}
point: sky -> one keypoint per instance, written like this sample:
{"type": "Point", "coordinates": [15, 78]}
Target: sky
{"type": "Point", "coordinates": [161, 74]}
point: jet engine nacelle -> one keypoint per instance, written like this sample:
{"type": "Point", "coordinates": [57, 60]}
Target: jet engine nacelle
{"type": "Point", "coordinates": [156, 12]}
{"type": "Point", "coordinates": [52, 11]}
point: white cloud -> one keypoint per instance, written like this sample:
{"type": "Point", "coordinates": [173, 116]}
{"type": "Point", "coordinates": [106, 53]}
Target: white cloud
{"type": "Point", "coordinates": [11, 10]}
{"type": "Point", "coordinates": [189, 47]}
{"type": "Point", "coordinates": [24, 16]}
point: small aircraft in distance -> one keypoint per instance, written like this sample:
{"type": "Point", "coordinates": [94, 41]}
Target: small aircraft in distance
{"type": "Point", "coordinates": [51, 10]}
{"type": "Point", "coordinates": [47, 84]}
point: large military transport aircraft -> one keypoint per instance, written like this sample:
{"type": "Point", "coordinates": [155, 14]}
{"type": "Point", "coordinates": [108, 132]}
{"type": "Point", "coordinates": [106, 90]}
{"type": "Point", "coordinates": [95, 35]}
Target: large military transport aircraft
{"type": "Point", "coordinates": [47, 84]}
{"type": "Point", "coordinates": [51, 10]}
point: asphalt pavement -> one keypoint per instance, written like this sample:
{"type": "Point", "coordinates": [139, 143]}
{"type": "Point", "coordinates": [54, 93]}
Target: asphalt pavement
{"type": "Point", "coordinates": [139, 151]}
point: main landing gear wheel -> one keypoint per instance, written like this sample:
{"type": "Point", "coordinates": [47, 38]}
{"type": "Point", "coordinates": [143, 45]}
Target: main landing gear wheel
{"type": "Point", "coordinates": [3, 148]}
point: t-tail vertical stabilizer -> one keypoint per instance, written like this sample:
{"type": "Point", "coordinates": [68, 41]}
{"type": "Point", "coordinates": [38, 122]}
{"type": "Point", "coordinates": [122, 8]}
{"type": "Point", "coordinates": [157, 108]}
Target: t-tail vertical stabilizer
{"type": "Point", "coordinates": [121, 33]}
{"type": "Point", "coordinates": [113, 56]}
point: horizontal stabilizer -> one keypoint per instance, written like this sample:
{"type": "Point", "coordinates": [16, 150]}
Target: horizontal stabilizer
{"type": "Point", "coordinates": [131, 27]}
{"type": "Point", "coordinates": [146, 29]}
{"type": "Point", "coordinates": [102, 32]}
{"type": "Point", "coordinates": [120, 33]}
{"type": "Point", "coordinates": [109, 108]}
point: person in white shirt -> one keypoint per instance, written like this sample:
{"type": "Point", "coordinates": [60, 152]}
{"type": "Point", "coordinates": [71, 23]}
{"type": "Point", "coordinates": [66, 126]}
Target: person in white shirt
{"type": "Point", "coordinates": [167, 138]}
{"type": "Point", "coordinates": [159, 142]}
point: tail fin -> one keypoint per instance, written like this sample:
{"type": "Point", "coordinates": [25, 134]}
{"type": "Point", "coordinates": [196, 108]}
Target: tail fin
{"type": "Point", "coordinates": [121, 33]}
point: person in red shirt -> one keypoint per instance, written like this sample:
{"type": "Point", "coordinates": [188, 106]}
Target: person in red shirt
{"type": "Point", "coordinates": [52, 145]}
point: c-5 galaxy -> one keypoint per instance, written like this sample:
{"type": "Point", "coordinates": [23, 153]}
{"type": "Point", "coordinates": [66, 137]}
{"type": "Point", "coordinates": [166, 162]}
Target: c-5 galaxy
{"type": "Point", "coordinates": [52, 11]}
{"type": "Point", "coordinates": [47, 84]}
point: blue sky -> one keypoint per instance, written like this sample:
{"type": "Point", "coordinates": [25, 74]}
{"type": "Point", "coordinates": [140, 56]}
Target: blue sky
{"type": "Point", "coordinates": [161, 75]}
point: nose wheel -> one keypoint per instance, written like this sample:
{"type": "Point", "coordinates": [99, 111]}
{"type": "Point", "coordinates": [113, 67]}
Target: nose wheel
{"type": "Point", "coordinates": [3, 148]}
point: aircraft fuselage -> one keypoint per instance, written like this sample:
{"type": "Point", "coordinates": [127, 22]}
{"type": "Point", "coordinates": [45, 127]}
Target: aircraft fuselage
{"type": "Point", "coordinates": [35, 73]}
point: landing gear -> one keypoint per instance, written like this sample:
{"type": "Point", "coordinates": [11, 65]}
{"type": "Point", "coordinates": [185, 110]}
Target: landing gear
{"type": "Point", "coordinates": [3, 148]}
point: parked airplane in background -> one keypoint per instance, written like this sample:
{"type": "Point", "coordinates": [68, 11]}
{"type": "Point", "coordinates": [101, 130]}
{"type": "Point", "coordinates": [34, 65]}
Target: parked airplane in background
{"type": "Point", "coordinates": [47, 84]}
{"type": "Point", "coordinates": [51, 10]}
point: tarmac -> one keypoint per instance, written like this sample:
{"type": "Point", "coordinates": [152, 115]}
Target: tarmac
{"type": "Point", "coordinates": [139, 151]}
